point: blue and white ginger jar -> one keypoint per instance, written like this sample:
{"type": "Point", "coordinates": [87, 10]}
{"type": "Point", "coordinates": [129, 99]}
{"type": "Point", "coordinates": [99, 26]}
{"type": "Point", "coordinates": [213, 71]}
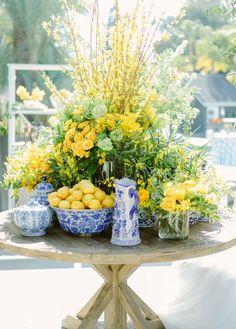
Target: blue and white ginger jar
{"type": "Point", "coordinates": [33, 218]}
{"type": "Point", "coordinates": [42, 190]}
{"type": "Point", "coordinates": [125, 230]}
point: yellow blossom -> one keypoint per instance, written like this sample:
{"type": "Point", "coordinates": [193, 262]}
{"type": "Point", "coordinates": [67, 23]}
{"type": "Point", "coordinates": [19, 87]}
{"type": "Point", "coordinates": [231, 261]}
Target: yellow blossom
{"type": "Point", "coordinates": [87, 144]}
{"type": "Point", "coordinates": [143, 195]}
{"type": "Point", "coordinates": [168, 204]}
{"type": "Point", "coordinates": [22, 93]}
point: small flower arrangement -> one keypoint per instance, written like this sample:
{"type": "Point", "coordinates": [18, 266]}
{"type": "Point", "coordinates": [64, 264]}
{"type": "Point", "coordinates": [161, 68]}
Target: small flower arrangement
{"type": "Point", "coordinates": [191, 195]}
{"type": "Point", "coordinates": [201, 196]}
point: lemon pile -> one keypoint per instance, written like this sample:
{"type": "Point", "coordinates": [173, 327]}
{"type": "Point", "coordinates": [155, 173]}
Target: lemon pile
{"type": "Point", "coordinates": [83, 195]}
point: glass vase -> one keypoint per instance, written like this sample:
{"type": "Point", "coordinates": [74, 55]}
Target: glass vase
{"type": "Point", "coordinates": [174, 226]}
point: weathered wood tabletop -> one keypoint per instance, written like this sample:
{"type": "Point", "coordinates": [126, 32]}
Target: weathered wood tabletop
{"type": "Point", "coordinates": [115, 264]}
{"type": "Point", "coordinates": [204, 239]}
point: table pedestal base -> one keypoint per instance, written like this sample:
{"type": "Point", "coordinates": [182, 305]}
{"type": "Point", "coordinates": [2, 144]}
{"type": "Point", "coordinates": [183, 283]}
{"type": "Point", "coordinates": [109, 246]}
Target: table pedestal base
{"type": "Point", "coordinates": [116, 299]}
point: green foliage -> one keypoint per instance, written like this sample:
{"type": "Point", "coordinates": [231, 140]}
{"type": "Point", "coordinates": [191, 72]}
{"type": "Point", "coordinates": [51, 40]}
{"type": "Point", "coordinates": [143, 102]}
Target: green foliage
{"type": "Point", "coordinates": [23, 40]}
{"type": "Point", "coordinates": [210, 37]}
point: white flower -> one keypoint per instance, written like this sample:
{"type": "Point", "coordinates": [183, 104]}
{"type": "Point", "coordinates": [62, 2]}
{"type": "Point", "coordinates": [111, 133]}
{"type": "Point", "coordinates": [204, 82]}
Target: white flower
{"type": "Point", "coordinates": [116, 135]}
{"type": "Point", "coordinates": [105, 144]}
{"type": "Point", "coordinates": [99, 110]}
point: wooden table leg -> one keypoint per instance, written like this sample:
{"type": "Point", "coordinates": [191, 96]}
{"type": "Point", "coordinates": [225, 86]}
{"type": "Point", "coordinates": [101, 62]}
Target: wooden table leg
{"type": "Point", "coordinates": [116, 299]}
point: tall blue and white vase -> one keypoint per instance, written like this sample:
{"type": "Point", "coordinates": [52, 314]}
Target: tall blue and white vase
{"type": "Point", "coordinates": [125, 230]}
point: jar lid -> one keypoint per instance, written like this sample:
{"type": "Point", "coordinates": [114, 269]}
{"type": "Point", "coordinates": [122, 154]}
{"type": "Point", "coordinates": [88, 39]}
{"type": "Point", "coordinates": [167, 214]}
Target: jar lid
{"type": "Point", "coordinates": [44, 187]}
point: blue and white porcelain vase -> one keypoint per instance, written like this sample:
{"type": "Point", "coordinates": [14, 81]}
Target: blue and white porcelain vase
{"type": "Point", "coordinates": [125, 230]}
{"type": "Point", "coordinates": [33, 218]}
{"type": "Point", "coordinates": [42, 190]}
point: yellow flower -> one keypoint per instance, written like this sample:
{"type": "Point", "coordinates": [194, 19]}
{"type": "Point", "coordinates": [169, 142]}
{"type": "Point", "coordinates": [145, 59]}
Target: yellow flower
{"type": "Point", "coordinates": [143, 195]}
{"type": "Point", "coordinates": [87, 144]}
{"type": "Point", "coordinates": [70, 133]}
{"type": "Point", "coordinates": [37, 94]}
{"type": "Point", "coordinates": [91, 135]}
{"type": "Point", "coordinates": [175, 192]}
{"type": "Point", "coordinates": [183, 206]}
{"type": "Point", "coordinates": [67, 125]}
{"type": "Point", "coordinates": [82, 125]}
{"type": "Point", "coordinates": [85, 130]}
{"type": "Point", "coordinates": [168, 204]}
{"type": "Point", "coordinates": [22, 93]}
{"type": "Point", "coordinates": [102, 159]}
{"type": "Point", "coordinates": [78, 137]}
{"type": "Point", "coordinates": [212, 198]}
{"type": "Point", "coordinates": [189, 183]}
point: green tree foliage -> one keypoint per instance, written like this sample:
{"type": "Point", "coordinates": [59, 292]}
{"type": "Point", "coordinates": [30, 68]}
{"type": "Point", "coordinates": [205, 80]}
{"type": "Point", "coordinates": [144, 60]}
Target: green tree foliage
{"type": "Point", "coordinates": [22, 38]}
{"type": "Point", "coordinates": [209, 37]}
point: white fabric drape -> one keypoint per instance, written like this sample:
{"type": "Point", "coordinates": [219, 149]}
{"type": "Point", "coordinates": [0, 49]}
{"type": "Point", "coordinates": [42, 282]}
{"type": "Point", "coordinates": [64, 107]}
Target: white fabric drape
{"type": "Point", "coordinates": [203, 294]}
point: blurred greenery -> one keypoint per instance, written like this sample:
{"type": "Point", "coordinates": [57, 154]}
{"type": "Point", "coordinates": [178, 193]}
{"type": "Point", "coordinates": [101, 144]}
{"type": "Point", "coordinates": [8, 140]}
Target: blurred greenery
{"type": "Point", "coordinates": [210, 36]}
{"type": "Point", "coordinates": [23, 40]}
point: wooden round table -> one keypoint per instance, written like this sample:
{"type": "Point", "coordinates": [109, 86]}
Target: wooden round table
{"type": "Point", "coordinates": [115, 264]}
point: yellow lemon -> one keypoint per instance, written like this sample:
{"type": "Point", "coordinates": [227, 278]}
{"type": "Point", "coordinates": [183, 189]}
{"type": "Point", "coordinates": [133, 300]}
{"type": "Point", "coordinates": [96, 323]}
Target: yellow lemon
{"type": "Point", "coordinates": [81, 183]}
{"type": "Point", "coordinates": [71, 190]}
{"type": "Point", "coordinates": [64, 204]}
{"type": "Point", "coordinates": [77, 195]}
{"type": "Point", "coordinates": [70, 198]}
{"type": "Point", "coordinates": [54, 202]}
{"type": "Point", "coordinates": [99, 195]}
{"type": "Point", "coordinates": [87, 198]}
{"type": "Point", "coordinates": [108, 203]}
{"type": "Point", "coordinates": [52, 195]}
{"type": "Point", "coordinates": [87, 188]}
{"type": "Point", "coordinates": [94, 204]}
{"type": "Point", "coordinates": [77, 205]}
{"type": "Point", "coordinates": [63, 192]}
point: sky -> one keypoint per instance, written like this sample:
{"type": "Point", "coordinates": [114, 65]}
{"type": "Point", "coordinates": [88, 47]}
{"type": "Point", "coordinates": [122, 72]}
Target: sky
{"type": "Point", "coordinates": [169, 7]}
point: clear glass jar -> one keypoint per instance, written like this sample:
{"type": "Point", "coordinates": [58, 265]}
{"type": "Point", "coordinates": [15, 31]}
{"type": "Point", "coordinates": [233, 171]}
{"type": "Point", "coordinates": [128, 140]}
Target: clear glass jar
{"type": "Point", "coordinates": [174, 226]}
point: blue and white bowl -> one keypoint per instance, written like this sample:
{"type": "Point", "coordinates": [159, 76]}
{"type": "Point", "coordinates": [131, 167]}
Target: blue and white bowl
{"type": "Point", "coordinates": [146, 218]}
{"type": "Point", "coordinates": [84, 222]}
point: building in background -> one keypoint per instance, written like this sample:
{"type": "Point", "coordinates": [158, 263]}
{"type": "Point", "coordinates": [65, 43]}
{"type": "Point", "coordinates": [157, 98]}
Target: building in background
{"type": "Point", "coordinates": [216, 102]}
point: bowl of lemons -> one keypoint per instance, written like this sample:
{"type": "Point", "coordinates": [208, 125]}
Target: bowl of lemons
{"type": "Point", "coordinates": [83, 209]}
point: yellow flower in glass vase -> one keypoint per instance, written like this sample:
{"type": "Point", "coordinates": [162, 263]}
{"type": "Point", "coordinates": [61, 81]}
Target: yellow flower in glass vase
{"type": "Point", "coordinates": [168, 204]}
{"type": "Point", "coordinates": [175, 192]}
{"type": "Point", "coordinates": [183, 206]}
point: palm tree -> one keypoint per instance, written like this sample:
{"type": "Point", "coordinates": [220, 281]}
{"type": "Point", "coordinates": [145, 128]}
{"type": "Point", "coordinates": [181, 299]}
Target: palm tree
{"type": "Point", "coordinates": [22, 38]}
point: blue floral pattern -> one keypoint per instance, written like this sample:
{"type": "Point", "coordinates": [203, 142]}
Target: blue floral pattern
{"type": "Point", "coordinates": [84, 222]}
{"type": "Point", "coordinates": [125, 230]}
{"type": "Point", "coordinates": [33, 219]}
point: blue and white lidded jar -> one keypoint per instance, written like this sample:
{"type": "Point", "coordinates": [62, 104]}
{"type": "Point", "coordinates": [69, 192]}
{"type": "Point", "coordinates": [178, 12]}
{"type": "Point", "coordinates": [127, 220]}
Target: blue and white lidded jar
{"type": "Point", "coordinates": [33, 218]}
{"type": "Point", "coordinates": [125, 230]}
{"type": "Point", "coordinates": [42, 191]}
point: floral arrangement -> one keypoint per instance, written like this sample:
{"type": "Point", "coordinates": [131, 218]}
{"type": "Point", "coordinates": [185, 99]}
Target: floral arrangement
{"type": "Point", "coordinates": [36, 94]}
{"type": "Point", "coordinates": [123, 116]}
{"type": "Point", "coordinates": [191, 195]}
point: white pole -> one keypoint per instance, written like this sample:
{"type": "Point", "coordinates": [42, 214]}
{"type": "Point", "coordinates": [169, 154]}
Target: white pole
{"type": "Point", "coordinates": [11, 120]}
